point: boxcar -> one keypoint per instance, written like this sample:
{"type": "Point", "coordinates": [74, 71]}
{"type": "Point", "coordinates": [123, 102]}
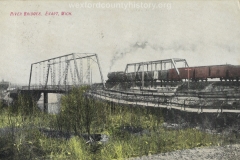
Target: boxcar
{"type": "Point", "coordinates": [183, 74]}
{"type": "Point", "coordinates": [172, 75]}
{"type": "Point", "coordinates": [201, 73]}
{"type": "Point", "coordinates": [138, 76]}
{"type": "Point", "coordinates": [116, 76]}
{"type": "Point", "coordinates": [121, 76]}
{"type": "Point", "coordinates": [130, 76]}
{"type": "Point", "coordinates": [163, 75]}
{"type": "Point", "coordinates": [155, 75]}
{"type": "Point", "coordinates": [148, 76]}
{"type": "Point", "coordinates": [233, 72]}
{"type": "Point", "coordinates": [218, 71]}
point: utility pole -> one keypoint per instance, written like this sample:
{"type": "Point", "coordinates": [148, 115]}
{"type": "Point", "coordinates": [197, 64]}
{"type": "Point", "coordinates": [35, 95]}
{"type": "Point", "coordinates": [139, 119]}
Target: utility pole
{"type": "Point", "coordinates": [188, 69]}
{"type": "Point", "coordinates": [142, 76]}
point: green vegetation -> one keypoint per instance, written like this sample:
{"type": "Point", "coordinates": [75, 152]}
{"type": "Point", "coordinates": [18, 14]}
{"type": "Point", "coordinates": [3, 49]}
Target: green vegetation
{"type": "Point", "coordinates": [133, 131]}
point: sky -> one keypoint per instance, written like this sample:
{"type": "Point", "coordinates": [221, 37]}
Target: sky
{"type": "Point", "coordinates": [202, 32]}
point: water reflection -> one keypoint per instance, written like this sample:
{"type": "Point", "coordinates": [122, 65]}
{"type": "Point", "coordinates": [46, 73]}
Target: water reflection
{"type": "Point", "coordinates": [53, 103]}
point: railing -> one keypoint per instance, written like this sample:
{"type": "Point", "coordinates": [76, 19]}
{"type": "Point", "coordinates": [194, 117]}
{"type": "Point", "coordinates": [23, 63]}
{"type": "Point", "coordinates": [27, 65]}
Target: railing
{"type": "Point", "coordinates": [216, 94]}
{"type": "Point", "coordinates": [48, 87]}
{"type": "Point", "coordinates": [189, 104]}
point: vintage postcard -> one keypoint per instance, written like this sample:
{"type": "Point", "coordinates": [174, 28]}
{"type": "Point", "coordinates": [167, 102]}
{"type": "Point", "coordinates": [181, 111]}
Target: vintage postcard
{"type": "Point", "coordinates": [120, 79]}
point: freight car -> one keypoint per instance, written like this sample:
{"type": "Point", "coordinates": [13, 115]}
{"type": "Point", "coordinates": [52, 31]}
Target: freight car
{"type": "Point", "coordinates": [148, 76]}
{"type": "Point", "coordinates": [234, 72]}
{"type": "Point", "coordinates": [132, 76]}
{"type": "Point", "coordinates": [184, 73]}
{"type": "Point", "coordinates": [219, 71]}
{"type": "Point", "coordinates": [223, 72]}
{"type": "Point", "coordinates": [116, 77]}
{"type": "Point", "coordinates": [163, 75]}
{"type": "Point", "coordinates": [201, 73]}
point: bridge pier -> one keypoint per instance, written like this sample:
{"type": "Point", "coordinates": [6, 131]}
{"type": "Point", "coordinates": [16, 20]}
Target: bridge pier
{"type": "Point", "coordinates": [45, 102]}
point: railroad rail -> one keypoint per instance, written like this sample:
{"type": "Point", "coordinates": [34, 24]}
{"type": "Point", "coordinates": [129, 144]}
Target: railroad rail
{"type": "Point", "coordinates": [199, 102]}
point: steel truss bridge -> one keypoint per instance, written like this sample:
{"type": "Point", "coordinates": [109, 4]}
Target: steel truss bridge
{"type": "Point", "coordinates": [65, 70]}
{"type": "Point", "coordinates": [61, 74]}
{"type": "Point", "coordinates": [154, 66]}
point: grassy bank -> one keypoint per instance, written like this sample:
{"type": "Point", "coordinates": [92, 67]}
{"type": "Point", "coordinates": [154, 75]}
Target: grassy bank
{"type": "Point", "coordinates": [132, 131]}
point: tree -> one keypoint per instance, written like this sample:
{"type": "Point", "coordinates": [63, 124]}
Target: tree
{"type": "Point", "coordinates": [78, 110]}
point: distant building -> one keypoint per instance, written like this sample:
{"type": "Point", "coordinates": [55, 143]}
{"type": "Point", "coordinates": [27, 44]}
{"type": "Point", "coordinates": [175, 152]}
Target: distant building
{"type": "Point", "coordinates": [4, 85]}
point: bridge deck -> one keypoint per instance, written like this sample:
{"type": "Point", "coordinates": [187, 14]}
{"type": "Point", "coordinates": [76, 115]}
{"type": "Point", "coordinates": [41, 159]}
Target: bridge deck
{"type": "Point", "coordinates": [48, 88]}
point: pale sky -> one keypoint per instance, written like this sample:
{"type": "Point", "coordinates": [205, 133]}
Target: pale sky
{"type": "Point", "coordinates": [202, 32]}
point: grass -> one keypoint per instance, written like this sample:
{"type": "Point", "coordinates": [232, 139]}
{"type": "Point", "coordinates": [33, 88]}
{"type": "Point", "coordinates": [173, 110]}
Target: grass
{"type": "Point", "coordinates": [80, 115]}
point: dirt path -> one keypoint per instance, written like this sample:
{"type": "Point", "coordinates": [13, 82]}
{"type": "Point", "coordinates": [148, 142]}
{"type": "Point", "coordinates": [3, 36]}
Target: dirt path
{"type": "Point", "coordinates": [228, 152]}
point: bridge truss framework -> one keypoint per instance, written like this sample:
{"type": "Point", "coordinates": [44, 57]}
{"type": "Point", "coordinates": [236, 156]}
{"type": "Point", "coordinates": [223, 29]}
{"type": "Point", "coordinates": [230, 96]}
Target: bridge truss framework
{"type": "Point", "coordinates": [155, 65]}
{"type": "Point", "coordinates": [64, 71]}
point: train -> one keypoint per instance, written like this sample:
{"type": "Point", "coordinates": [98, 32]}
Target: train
{"type": "Point", "coordinates": [198, 73]}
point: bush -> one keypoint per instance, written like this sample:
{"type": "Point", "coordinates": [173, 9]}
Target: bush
{"type": "Point", "coordinates": [77, 112]}
{"type": "Point", "coordinates": [133, 130]}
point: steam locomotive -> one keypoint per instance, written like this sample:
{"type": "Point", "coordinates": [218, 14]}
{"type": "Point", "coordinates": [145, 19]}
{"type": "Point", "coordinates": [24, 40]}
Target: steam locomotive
{"type": "Point", "coordinates": [198, 73]}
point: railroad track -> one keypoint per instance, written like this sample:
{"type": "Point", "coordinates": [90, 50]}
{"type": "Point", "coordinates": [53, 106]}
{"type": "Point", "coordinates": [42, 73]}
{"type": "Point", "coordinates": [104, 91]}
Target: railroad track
{"type": "Point", "coordinates": [200, 102]}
